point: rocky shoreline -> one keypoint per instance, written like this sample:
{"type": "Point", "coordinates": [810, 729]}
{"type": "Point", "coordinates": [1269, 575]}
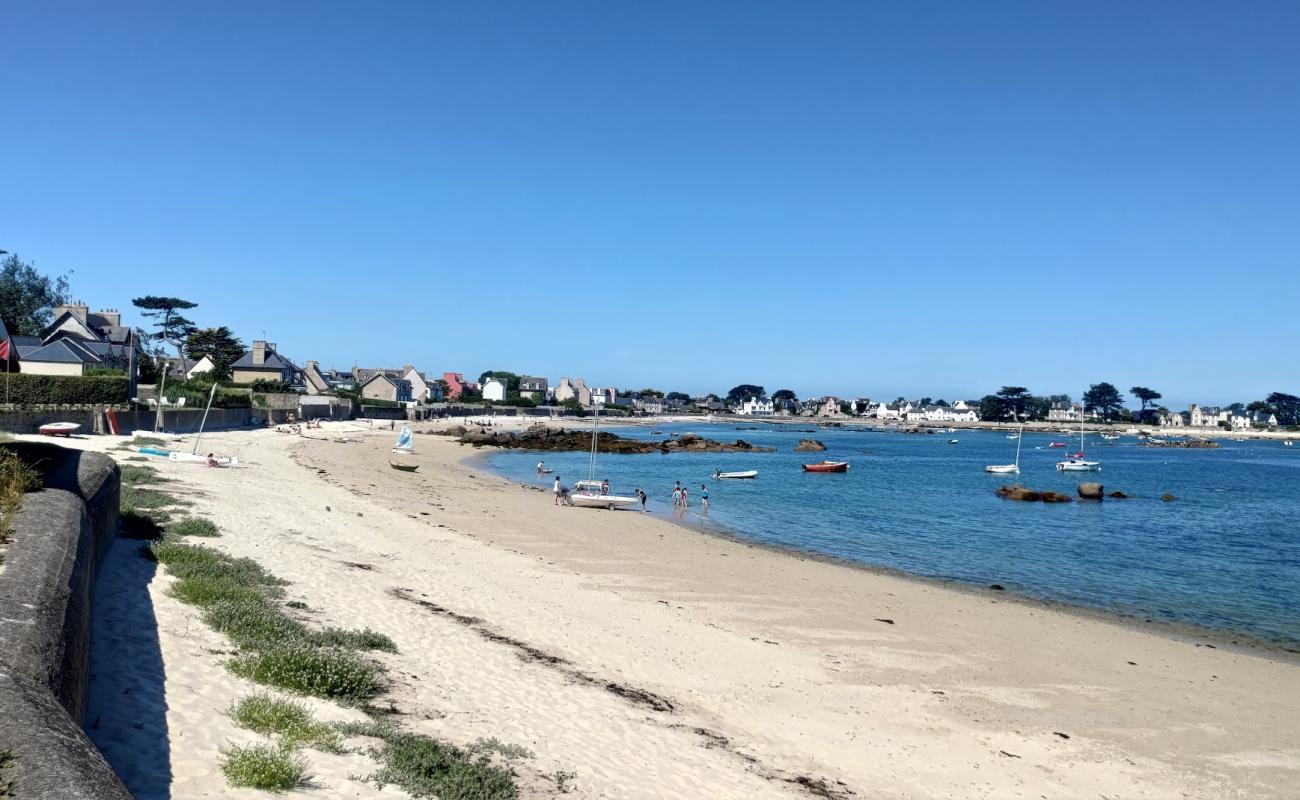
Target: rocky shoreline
{"type": "Point", "coordinates": [542, 437]}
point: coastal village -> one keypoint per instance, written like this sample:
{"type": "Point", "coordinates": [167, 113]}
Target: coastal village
{"type": "Point", "coordinates": [81, 342]}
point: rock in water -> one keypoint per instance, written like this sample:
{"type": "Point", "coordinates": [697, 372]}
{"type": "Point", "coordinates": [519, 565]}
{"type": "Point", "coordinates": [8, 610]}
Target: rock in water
{"type": "Point", "coordinates": [1091, 491]}
{"type": "Point", "coordinates": [1118, 495]}
{"type": "Point", "coordinates": [809, 446]}
{"type": "Point", "coordinates": [1167, 497]}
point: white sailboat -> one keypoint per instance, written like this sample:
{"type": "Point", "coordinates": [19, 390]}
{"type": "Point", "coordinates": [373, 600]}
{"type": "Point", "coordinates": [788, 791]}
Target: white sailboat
{"type": "Point", "coordinates": [405, 442]}
{"type": "Point", "coordinates": [1076, 461]}
{"type": "Point", "coordinates": [593, 492]}
{"type": "Point", "coordinates": [1009, 469]}
{"type": "Point", "coordinates": [193, 456]}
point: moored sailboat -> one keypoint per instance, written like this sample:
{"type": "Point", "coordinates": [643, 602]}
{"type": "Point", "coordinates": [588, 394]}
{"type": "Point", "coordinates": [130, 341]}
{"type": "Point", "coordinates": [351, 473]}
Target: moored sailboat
{"type": "Point", "coordinates": [1008, 469]}
{"type": "Point", "coordinates": [1076, 462]}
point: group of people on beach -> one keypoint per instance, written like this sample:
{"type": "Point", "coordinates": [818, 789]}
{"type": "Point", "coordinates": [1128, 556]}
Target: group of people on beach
{"type": "Point", "coordinates": [681, 495]}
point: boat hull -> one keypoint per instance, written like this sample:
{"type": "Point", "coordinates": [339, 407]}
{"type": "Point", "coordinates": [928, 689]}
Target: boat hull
{"type": "Point", "coordinates": [59, 429]}
{"type": "Point", "coordinates": [192, 458]}
{"type": "Point", "coordinates": [609, 501]}
{"type": "Point", "coordinates": [827, 466]}
{"type": "Point", "coordinates": [753, 473]}
{"type": "Point", "coordinates": [403, 467]}
{"type": "Point", "coordinates": [1003, 469]}
{"type": "Point", "coordinates": [1078, 466]}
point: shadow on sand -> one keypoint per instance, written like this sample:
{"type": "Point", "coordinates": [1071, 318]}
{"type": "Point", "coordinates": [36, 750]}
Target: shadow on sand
{"type": "Point", "coordinates": [126, 703]}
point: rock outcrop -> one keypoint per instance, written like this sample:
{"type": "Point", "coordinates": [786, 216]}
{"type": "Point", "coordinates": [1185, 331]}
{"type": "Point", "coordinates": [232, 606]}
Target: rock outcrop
{"type": "Point", "coordinates": [541, 437]}
{"type": "Point", "coordinates": [1091, 491]}
{"type": "Point", "coordinates": [1187, 444]}
{"type": "Point", "coordinates": [1018, 492]}
{"type": "Point", "coordinates": [809, 446]}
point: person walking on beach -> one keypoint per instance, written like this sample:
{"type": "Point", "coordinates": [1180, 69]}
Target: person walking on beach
{"type": "Point", "coordinates": [557, 490]}
{"type": "Point", "coordinates": [704, 497]}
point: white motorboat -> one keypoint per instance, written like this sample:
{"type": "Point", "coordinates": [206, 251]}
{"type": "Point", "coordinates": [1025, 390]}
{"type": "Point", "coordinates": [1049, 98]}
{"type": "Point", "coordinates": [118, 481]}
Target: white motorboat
{"type": "Point", "coordinates": [593, 492]}
{"type": "Point", "coordinates": [59, 428]}
{"type": "Point", "coordinates": [1110, 437]}
{"type": "Point", "coordinates": [749, 473]}
{"type": "Point", "coordinates": [1076, 462]}
{"type": "Point", "coordinates": [1008, 469]}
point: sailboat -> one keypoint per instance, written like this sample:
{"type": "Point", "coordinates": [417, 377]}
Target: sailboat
{"type": "Point", "coordinates": [405, 442]}
{"type": "Point", "coordinates": [593, 492]}
{"type": "Point", "coordinates": [1008, 469]}
{"type": "Point", "coordinates": [193, 456]}
{"type": "Point", "coordinates": [1076, 462]}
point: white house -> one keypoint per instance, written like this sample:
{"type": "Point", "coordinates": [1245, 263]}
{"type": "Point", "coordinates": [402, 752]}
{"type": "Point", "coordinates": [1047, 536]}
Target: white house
{"type": "Point", "coordinates": [494, 390]}
{"type": "Point", "coordinates": [757, 407]}
{"type": "Point", "coordinates": [1065, 412]}
{"type": "Point", "coordinates": [886, 411]}
{"type": "Point", "coordinates": [421, 388]}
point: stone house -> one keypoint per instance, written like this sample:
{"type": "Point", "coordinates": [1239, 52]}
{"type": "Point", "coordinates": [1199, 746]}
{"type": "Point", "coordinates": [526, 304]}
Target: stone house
{"type": "Point", "coordinates": [382, 386]}
{"type": "Point", "coordinates": [264, 363]}
{"type": "Point", "coordinates": [77, 341]}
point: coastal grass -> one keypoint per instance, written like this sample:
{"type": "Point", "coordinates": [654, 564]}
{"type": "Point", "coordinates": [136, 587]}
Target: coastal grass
{"type": "Point", "coordinates": [134, 475]}
{"type": "Point", "coordinates": [17, 478]}
{"type": "Point", "coordinates": [193, 526]}
{"type": "Point", "coordinates": [354, 640]}
{"type": "Point", "coordinates": [291, 723]}
{"type": "Point", "coordinates": [147, 499]}
{"type": "Point", "coordinates": [426, 767]}
{"type": "Point", "coordinates": [147, 441]}
{"type": "Point", "coordinates": [304, 668]}
{"type": "Point", "coordinates": [272, 769]}
{"type": "Point", "coordinates": [7, 760]}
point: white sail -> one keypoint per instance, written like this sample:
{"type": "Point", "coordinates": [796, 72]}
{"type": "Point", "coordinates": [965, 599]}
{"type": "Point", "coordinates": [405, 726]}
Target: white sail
{"type": "Point", "coordinates": [405, 442]}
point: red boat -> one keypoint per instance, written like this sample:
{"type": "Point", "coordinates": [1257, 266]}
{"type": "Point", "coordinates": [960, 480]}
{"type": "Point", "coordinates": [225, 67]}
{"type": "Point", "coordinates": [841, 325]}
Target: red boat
{"type": "Point", "coordinates": [59, 429]}
{"type": "Point", "coordinates": [827, 466]}
{"type": "Point", "coordinates": [1057, 444]}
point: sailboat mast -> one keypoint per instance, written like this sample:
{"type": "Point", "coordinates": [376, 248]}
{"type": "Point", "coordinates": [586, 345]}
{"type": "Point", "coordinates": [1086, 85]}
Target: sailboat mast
{"type": "Point", "coordinates": [595, 433]}
{"type": "Point", "coordinates": [204, 421]}
{"type": "Point", "coordinates": [1020, 435]}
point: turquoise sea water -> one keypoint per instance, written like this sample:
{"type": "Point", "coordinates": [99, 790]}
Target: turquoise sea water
{"type": "Point", "coordinates": [1224, 555]}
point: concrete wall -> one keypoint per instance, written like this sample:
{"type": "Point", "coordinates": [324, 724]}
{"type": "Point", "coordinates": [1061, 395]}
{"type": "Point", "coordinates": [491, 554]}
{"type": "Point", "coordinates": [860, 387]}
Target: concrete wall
{"type": "Point", "coordinates": [48, 368]}
{"type": "Point", "coordinates": [61, 536]}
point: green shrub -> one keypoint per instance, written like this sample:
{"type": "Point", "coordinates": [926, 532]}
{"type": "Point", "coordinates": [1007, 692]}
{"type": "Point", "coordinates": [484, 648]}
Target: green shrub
{"type": "Point", "coordinates": [17, 478]}
{"type": "Point", "coordinates": [193, 526]}
{"type": "Point", "coordinates": [199, 591]}
{"type": "Point", "coordinates": [291, 722]}
{"type": "Point", "coordinates": [133, 475]}
{"type": "Point", "coordinates": [6, 763]}
{"type": "Point", "coordinates": [137, 498]}
{"type": "Point", "coordinates": [253, 624]}
{"type": "Point", "coordinates": [26, 388]}
{"type": "Point", "coordinates": [426, 767]}
{"type": "Point", "coordinates": [273, 769]}
{"type": "Point", "coordinates": [305, 669]}
{"type": "Point", "coordinates": [353, 639]}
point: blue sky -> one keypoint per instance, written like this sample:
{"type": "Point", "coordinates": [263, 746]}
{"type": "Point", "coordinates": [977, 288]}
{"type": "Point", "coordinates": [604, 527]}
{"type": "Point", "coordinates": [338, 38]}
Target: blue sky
{"type": "Point", "coordinates": [854, 198]}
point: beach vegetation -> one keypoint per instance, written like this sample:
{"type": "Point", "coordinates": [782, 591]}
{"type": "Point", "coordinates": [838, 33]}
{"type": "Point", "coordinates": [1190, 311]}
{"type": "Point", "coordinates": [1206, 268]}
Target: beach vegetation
{"type": "Point", "coordinates": [562, 779]}
{"type": "Point", "coordinates": [426, 767]}
{"type": "Point", "coordinates": [193, 526]}
{"type": "Point", "coordinates": [134, 475]}
{"type": "Point", "coordinates": [7, 760]}
{"type": "Point", "coordinates": [266, 767]}
{"type": "Point", "coordinates": [305, 668]}
{"type": "Point", "coordinates": [17, 478]}
{"type": "Point", "coordinates": [147, 499]}
{"type": "Point", "coordinates": [354, 640]}
{"type": "Point", "coordinates": [252, 623]}
{"type": "Point", "coordinates": [291, 723]}
{"type": "Point", "coordinates": [510, 752]}
{"type": "Point", "coordinates": [133, 524]}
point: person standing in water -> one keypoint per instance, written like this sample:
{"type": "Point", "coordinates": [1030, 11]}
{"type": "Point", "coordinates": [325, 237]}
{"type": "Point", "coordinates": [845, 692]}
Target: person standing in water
{"type": "Point", "coordinates": [704, 497]}
{"type": "Point", "coordinates": [685, 503]}
{"type": "Point", "coordinates": [541, 469]}
{"type": "Point", "coordinates": [640, 495]}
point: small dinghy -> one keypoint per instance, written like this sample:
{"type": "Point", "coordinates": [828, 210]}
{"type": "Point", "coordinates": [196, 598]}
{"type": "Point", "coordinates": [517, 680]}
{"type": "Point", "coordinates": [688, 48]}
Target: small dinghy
{"type": "Point", "coordinates": [194, 458]}
{"type": "Point", "coordinates": [749, 473]}
{"type": "Point", "coordinates": [153, 451]}
{"type": "Point", "coordinates": [59, 429]}
{"type": "Point", "coordinates": [403, 467]}
{"type": "Point", "coordinates": [952, 441]}
{"type": "Point", "coordinates": [1057, 444]}
{"type": "Point", "coordinates": [827, 466]}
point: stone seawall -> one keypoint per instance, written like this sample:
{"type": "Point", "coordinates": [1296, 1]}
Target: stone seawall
{"type": "Point", "coordinates": [60, 538]}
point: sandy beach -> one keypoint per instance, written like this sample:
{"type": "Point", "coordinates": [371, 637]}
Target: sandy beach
{"type": "Point", "coordinates": [656, 661]}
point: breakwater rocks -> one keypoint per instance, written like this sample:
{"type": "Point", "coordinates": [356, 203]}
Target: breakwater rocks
{"type": "Point", "coordinates": [1018, 492]}
{"type": "Point", "coordinates": [809, 446]}
{"type": "Point", "coordinates": [541, 437]}
{"type": "Point", "coordinates": [1188, 444]}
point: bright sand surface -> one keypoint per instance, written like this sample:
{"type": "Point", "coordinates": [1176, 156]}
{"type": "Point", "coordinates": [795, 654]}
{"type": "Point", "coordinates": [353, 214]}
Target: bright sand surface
{"type": "Point", "coordinates": [656, 661]}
